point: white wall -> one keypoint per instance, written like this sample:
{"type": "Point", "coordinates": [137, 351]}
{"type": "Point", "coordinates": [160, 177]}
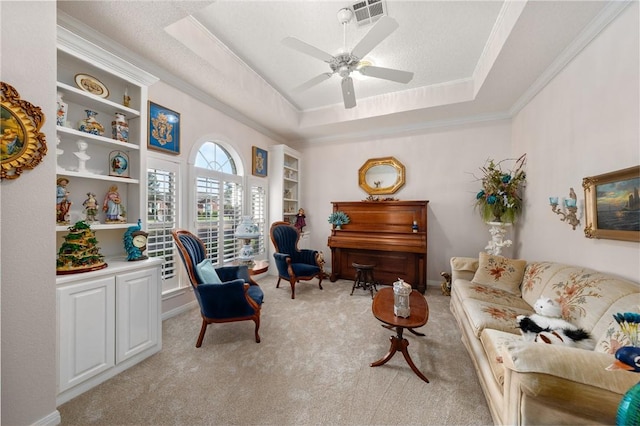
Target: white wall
{"type": "Point", "coordinates": [584, 123]}
{"type": "Point", "coordinates": [439, 167]}
{"type": "Point", "coordinates": [200, 123]}
{"type": "Point", "coordinates": [28, 250]}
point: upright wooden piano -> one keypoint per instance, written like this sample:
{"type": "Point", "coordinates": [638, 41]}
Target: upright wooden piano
{"type": "Point", "coordinates": [380, 233]}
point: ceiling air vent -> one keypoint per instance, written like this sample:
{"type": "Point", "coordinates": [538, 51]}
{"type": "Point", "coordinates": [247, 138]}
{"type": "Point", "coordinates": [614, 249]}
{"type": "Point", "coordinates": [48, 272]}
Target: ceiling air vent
{"type": "Point", "coordinates": [369, 11]}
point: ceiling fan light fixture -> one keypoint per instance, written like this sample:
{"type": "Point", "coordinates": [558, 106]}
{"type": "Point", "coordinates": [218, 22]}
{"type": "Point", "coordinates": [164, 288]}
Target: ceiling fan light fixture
{"type": "Point", "coordinates": [345, 63]}
{"type": "Point", "coordinates": [362, 64]}
{"type": "Point", "coordinates": [345, 15]}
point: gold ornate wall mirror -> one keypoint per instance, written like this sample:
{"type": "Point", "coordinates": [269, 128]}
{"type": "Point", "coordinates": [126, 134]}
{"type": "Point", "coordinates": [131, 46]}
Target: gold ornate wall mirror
{"type": "Point", "coordinates": [379, 176]}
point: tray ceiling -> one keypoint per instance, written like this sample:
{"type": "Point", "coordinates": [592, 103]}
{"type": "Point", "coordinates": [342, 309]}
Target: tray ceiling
{"type": "Point", "coordinates": [472, 60]}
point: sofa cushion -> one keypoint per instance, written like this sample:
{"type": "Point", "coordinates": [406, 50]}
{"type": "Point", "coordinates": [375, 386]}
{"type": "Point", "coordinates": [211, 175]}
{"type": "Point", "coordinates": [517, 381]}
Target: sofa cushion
{"type": "Point", "coordinates": [585, 295]}
{"type": "Point", "coordinates": [464, 263]}
{"type": "Point", "coordinates": [494, 342]}
{"type": "Point", "coordinates": [500, 272]}
{"type": "Point", "coordinates": [481, 315]}
{"type": "Point", "coordinates": [488, 293]}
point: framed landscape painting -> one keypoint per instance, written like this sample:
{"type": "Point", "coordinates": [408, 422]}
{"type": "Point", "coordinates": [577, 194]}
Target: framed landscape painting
{"type": "Point", "coordinates": [164, 129]}
{"type": "Point", "coordinates": [612, 205]}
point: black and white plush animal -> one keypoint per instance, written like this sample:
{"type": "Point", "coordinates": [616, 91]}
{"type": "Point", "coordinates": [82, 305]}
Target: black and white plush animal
{"type": "Point", "coordinates": [547, 326]}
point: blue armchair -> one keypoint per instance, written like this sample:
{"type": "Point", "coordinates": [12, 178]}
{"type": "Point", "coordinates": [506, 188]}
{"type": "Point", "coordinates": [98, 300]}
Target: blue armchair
{"type": "Point", "coordinates": [225, 294]}
{"type": "Point", "coordinates": [294, 264]}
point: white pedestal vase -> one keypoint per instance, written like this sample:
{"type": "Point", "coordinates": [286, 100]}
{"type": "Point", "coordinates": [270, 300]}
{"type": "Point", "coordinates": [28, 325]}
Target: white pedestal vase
{"type": "Point", "coordinates": [247, 231]}
{"type": "Point", "coordinates": [498, 231]}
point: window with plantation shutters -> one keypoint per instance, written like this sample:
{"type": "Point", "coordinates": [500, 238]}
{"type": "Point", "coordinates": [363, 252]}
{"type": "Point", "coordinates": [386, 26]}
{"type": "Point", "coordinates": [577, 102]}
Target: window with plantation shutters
{"type": "Point", "coordinates": [258, 210]}
{"type": "Point", "coordinates": [218, 202]}
{"type": "Point", "coordinates": [162, 217]}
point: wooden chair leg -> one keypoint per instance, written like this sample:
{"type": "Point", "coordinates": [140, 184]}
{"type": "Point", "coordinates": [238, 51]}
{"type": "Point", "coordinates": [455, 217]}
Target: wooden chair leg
{"type": "Point", "coordinates": [257, 321]}
{"type": "Point", "coordinates": [320, 276]}
{"type": "Point", "coordinates": [278, 285]}
{"type": "Point", "coordinates": [293, 288]}
{"type": "Point", "coordinates": [202, 330]}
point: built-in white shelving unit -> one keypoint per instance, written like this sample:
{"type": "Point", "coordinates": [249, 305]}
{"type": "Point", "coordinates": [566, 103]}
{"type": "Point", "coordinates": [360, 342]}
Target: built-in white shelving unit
{"type": "Point", "coordinates": [109, 319]}
{"type": "Point", "coordinates": [285, 187]}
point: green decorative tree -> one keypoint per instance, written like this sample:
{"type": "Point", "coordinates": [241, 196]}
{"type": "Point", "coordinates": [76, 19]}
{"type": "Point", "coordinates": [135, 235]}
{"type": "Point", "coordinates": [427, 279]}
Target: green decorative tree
{"type": "Point", "coordinates": [79, 251]}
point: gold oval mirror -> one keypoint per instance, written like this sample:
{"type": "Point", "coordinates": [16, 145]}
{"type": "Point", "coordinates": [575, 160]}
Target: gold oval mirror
{"type": "Point", "coordinates": [380, 176]}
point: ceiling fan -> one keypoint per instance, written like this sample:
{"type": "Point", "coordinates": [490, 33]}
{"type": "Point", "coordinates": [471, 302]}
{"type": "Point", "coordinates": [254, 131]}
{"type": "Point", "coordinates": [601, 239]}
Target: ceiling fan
{"type": "Point", "coordinates": [345, 63]}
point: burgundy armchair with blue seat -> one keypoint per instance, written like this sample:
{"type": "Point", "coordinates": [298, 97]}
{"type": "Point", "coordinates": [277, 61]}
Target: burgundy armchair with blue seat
{"type": "Point", "coordinates": [294, 264]}
{"type": "Point", "coordinates": [225, 294]}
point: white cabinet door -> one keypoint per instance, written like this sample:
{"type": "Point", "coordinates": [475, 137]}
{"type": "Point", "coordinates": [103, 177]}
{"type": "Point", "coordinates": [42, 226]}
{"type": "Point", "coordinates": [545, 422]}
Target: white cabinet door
{"type": "Point", "coordinates": [86, 319]}
{"type": "Point", "coordinates": [138, 312]}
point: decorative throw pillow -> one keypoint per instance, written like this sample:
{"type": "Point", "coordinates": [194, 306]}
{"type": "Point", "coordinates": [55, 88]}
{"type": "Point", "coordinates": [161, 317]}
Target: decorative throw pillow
{"type": "Point", "coordinates": [207, 273]}
{"type": "Point", "coordinates": [500, 272]}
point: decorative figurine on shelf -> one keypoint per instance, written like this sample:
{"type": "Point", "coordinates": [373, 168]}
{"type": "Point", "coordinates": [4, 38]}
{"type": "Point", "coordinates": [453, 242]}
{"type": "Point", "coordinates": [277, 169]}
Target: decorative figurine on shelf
{"type": "Point", "coordinates": [135, 242]}
{"type": "Point", "coordinates": [113, 207]}
{"type": "Point", "coordinates": [61, 116]}
{"type": "Point", "coordinates": [126, 99]}
{"type": "Point", "coordinates": [63, 205]}
{"type": "Point", "coordinates": [300, 223]}
{"type": "Point", "coordinates": [120, 128]}
{"type": "Point", "coordinates": [79, 251]}
{"type": "Point", "coordinates": [118, 164]}
{"type": "Point", "coordinates": [82, 155]}
{"type": "Point", "coordinates": [91, 208]}
{"type": "Point", "coordinates": [90, 124]}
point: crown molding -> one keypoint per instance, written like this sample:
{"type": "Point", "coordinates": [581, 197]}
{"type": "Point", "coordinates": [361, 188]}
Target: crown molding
{"type": "Point", "coordinates": [408, 129]}
{"type": "Point", "coordinates": [72, 43]}
{"type": "Point", "coordinates": [599, 23]}
{"type": "Point", "coordinates": [100, 42]}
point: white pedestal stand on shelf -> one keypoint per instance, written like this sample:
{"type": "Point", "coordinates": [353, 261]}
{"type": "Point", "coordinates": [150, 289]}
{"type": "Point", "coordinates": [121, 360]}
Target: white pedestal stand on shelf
{"type": "Point", "coordinates": [498, 231]}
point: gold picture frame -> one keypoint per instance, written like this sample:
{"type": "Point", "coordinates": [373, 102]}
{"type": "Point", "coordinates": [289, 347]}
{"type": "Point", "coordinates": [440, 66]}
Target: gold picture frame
{"type": "Point", "coordinates": [23, 145]}
{"type": "Point", "coordinates": [612, 205]}
{"type": "Point", "coordinates": [380, 176]}
{"type": "Point", "coordinates": [259, 161]}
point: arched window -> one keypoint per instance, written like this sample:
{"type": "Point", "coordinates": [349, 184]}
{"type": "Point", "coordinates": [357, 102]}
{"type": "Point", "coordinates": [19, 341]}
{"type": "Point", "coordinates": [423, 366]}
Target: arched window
{"type": "Point", "coordinates": [212, 156]}
{"type": "Point", "coordinates": [220, 188]}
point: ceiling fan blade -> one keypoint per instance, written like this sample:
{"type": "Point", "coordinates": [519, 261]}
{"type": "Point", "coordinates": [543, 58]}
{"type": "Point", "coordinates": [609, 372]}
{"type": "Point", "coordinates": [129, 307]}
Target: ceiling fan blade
{"type": "Point", "coordinates": [381, 30]}
{"type": "Point", "coordinates": [306, 48]}
{"type": "Point", "coordinates": [315, 80]}
{"type": "Point", "coordinates": [387, 74]}
{"type": "Point", "coordinates": [348, 94]}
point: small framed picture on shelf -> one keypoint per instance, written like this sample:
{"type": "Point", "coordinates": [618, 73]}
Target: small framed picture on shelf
{"type": "Point", "coordinates": [118, 164]}
{"type": "Point", "coordinates": [164, 129]}
{"type": "Point", "coordinates": [259, 162]}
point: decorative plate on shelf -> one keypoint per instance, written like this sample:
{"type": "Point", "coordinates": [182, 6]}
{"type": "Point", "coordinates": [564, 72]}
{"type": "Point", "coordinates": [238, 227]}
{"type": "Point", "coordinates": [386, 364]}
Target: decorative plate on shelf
{"type": "Point", "coordinates": [92, 85]}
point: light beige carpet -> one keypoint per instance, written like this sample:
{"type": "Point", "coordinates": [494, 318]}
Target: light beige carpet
{"type": "Point", "coordinates": [311, 368]}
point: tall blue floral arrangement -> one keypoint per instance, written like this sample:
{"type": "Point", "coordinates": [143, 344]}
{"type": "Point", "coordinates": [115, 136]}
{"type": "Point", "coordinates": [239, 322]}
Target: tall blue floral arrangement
{"type": "Point", "coordinates": [500, 199]}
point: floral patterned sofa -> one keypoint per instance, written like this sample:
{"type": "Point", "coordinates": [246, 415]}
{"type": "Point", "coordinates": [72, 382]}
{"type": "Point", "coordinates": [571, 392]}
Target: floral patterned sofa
{"type": "Point", "coordinates": [532, 383]}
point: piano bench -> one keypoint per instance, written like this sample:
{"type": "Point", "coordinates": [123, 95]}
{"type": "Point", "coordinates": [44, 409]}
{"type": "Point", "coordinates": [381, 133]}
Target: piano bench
{"type": "Point", "coordinates": [364, 278]}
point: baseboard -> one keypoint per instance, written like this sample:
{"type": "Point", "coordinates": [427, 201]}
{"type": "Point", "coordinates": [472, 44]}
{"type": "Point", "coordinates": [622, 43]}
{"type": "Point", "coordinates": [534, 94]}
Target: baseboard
{"type": "Point", "coordinates": [49, 420]}
{"type": "Point", "coordinates": [180, 309]}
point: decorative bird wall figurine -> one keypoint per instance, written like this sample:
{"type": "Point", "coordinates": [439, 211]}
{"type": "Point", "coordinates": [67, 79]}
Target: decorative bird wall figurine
{"type": "Point", "coordinates": [628, 358]}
